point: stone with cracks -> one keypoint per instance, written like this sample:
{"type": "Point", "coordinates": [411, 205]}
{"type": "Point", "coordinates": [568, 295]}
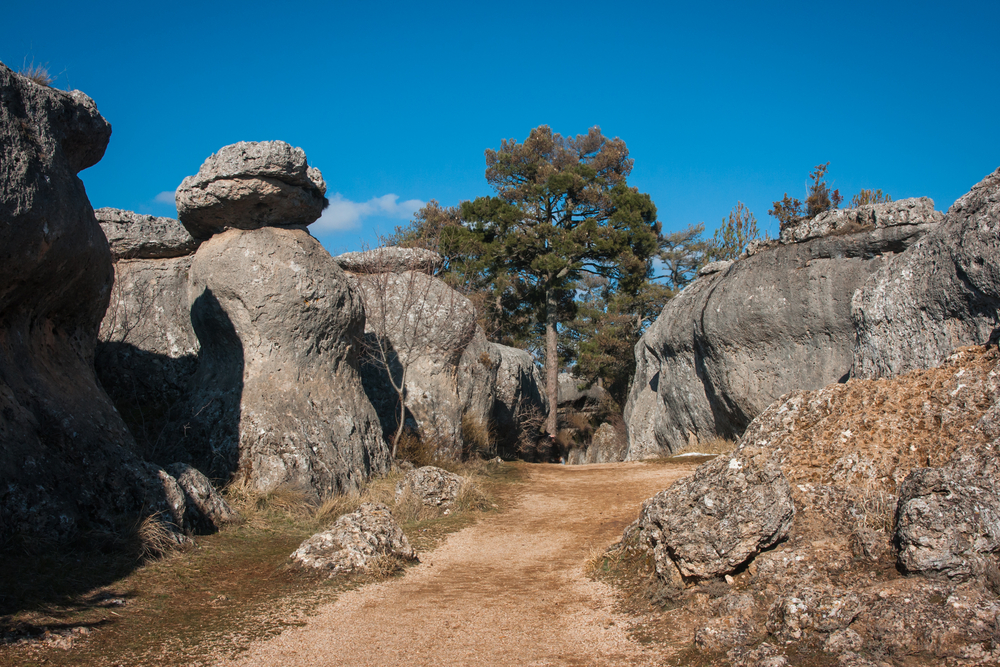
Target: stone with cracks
{"type": "Point", "coordinates": [433, 486]}
{"type": "Point", "coordinates": [66, 458]}
{"type": "Point", "coordinates": [736, 339]}
{"type": "Point", "coordinates": [942, 293]}
{"type": "Point", "coordinates": [914, 211]}
{"type": "Point", "coordinates": [390, 259]}
{"type": "Point", "coordinates": [248, 185]}
{"type": "Point", "coordinates": [713, 522]}
{"type": "Point", "coordinates": [137, 236]}
{"type": "Point", "coordinates": [205, 510]}
{"type": "Point", "coordinates": [277, 398]}
{"type": "Point", "coordinates": [354, 541]}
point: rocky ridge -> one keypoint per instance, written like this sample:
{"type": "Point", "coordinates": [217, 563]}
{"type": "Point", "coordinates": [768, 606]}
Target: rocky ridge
{"type": "Point", "coordinates": [776, 320]}
{"type": "Point", "coordinates": [829, 496]}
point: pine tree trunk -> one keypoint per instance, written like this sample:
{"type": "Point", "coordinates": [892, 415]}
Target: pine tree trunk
{"type": "Point", "coordinates": [551, 361]}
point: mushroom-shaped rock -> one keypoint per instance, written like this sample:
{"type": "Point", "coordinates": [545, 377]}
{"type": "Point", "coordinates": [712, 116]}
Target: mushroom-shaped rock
{"type": "Point", "coordinates": [251, 184]}
{"type": "Point", "coordinates": [137, 236]}
{"type": "Point", "coordinates": [354, 540]}
{"type": "Point", "coordinates": [433, 486]}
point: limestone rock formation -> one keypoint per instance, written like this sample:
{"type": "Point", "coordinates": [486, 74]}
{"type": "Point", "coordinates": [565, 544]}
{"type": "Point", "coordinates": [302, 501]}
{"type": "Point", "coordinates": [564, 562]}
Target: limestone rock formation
{"type": "Point", "coordinates": [713, 522]}
{"type": "Point", "coordinates": [477, 379]}
{"type": "Point", "coordinates": [417, 328]}
{"type": "Point", "coordinates": [136, 236]}
{"type": "Point", "coordinates": [66, 457]}
{"type": "Point", "coordinates": [354, 541]}
{"type": "Point", "coordinates": [742, 335]}
{"type": "Point", "coordinates": [390, 259]}
{"type": "Point", "coordinates": [277, 397]}
{"type": "Point", "coordinates": [248, 185]}
{"type": "Point", "coordinates": [914, 211]}
{"type": "Point", "coordinates": [433, 486]}
{"type": "Point", "coordinates": [869, 465]}
{"type": "Point", "coordinates": [941, 293]}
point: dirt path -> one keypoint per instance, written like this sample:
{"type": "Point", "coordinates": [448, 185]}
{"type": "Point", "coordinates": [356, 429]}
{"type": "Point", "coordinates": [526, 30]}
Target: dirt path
{"type": "Point", "coordinates": [509, 590]}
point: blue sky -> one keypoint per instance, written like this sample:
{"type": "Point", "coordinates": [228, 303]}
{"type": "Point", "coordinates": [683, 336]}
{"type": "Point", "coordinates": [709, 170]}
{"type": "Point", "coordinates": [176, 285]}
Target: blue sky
{"type": "Point", "coordinates": [395, 102]}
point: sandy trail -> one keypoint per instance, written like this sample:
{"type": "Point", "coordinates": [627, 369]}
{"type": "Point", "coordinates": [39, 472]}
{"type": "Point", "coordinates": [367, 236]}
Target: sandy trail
{"type": "Point", "coordinates": [509, 590]}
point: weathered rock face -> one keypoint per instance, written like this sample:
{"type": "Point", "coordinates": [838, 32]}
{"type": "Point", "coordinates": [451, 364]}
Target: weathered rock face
{"type": "Point", "coordinates": [354, 541]}
{"type": "Point", "coordinates": [390, 259]}
{"type": "Point", "coordinates": [249, 185]}
{"type": "Point", "coordinates": [941, 293]}
{"type": "Point", "coordinates": [711, 523]}
{"type": "Point", "coordinates": [277, 395]}
{"type": "Point", "coordinates": [520, 403]}
{"type": "Point", "coordinates": [738, 338]}
{"type": "Point", "coordinates": [136, 236]}
{"type": "Point", "coordinates": [66, 460]}
{"type": "Point", "coordinates": [848, 452]}
{"type": "Point", "coordinates": [433, 486]}
{"type": "Point", "coordinates": [477, 380]}
{"type": "Point", "coordinates": [418, 328]}
{"type": "Point", "coordinates": [914, 211]}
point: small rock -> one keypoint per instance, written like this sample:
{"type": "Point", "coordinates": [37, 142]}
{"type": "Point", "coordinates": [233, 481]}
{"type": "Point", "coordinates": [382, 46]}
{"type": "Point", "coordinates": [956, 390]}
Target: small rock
{"type": "Point", "coordinates": [433, 486]}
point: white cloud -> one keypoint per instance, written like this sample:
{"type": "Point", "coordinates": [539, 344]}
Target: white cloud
{"type": "Point", "coordinates": [165, 197]}
{"type": "Point", "coordinates": [345, 214]}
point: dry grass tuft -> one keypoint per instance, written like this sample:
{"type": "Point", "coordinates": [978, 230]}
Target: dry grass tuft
{"type": "Point", "coordinates": [477, 438]}
{"type": "Point", "coordinates": [472, 497]}
{"type": "Point", "coordinates": [156, 540]}
{"type": "Point", "coordinates": [259, 508]}
{"type": "Point", "coordinates": [713, 446]}
{"type": "Point", "coordinates": [875, 509]}
{"type": "Point", "coordinates": [384, 566]}
{"type": "Point", "coordinates": [37, 73]}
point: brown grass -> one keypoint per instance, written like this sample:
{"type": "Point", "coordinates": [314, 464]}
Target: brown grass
{"type": "Point", "coordinates": [214, 599]}
{"type": "Point", "coordinates": [477, 438]}
{"type": "Point", "coordinates": [157, 540]}
{"type": "Point", "coordinates": [37, 73]}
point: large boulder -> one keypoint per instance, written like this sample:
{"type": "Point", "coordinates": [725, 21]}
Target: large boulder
{"type": "Point", "coordinates": [277, 395]}
{"type": "Point", "coordinates": [137, 236]}
{"type": "Point", "coordinates": [941, 293]}
{"type": "Point", "coordinates": [417, 329]}
{"type": "Point", "coordinates": [251, 184]}
{"type": "Point", "coordinates": [743, 334]}
{"type": "Point", "coordinates": [715, 521]}
{"type": "Point", "coordinates": [66, 458]}
{"type": "Point", "coordinates": [354, 541]}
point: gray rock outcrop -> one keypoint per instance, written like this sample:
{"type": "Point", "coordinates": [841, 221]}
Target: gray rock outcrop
{"type": "Point", "coordinates": [66, 458]}
{"type": "Point", "coordinates": [433, 486]}
{"type": "Point", "coordinates": [908, 462]}
{"type": "Point", "coordinates": [277, 395]}
{"type": "Point", "coordinates": [914, 211]}
{"type": "Point", "coordinates": [354, 541]}
{"type": "Point", "coordinates": [137, 236]}
{"type": "Point", "coordinates": [736, 339]}
{"type": "Point", "coordinates": [248, 185]}
{"type": "Point", "coordinates": [941, 293]}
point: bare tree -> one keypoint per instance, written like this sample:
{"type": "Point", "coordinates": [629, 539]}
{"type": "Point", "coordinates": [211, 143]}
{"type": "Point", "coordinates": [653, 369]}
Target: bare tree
{"type": "Point", "coordinates": [412, 318]}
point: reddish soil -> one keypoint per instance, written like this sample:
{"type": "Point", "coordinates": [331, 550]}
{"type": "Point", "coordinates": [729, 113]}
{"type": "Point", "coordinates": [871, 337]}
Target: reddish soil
{"type": "Point", "coordinates": [509, 590]}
